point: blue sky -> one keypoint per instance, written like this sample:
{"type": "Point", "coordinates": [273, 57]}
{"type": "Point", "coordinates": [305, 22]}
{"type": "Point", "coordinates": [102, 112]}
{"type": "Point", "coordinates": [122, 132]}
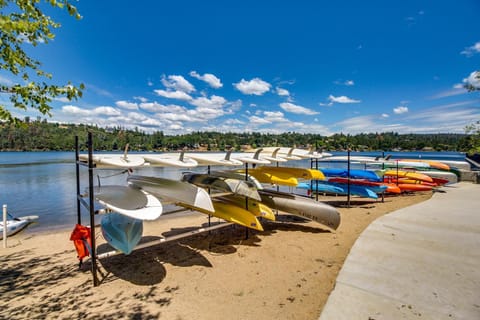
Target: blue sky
{"type": "Point", "coordinates": [268, 66]}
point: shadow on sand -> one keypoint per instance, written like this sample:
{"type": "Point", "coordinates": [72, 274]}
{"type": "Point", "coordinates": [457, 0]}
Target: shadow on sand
{"type": "Point", "coordinates": [52, 287]}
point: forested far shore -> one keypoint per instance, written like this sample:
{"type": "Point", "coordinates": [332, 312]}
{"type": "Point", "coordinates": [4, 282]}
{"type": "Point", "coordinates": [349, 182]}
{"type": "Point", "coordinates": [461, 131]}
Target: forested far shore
{"type": "Point", "coordinates": [44, 136]}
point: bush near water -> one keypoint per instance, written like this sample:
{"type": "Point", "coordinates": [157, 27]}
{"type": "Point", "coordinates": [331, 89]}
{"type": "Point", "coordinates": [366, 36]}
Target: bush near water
{"type": "Point", "coordinates": [40, 135]}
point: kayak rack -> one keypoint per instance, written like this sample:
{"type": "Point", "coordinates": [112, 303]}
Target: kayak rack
{"type": "Point", "coordinates": [90, 205]}
{"type": "Point", "coordinates": [167, 239]}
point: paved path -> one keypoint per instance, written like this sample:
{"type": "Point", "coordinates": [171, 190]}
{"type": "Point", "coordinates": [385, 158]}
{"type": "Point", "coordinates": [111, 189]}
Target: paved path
{"type": "Point", "coordinates": [420, 262]}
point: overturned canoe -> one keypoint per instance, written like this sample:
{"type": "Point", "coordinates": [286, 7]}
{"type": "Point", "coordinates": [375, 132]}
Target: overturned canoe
{"type": "Point", "coordinates": [305, 207]}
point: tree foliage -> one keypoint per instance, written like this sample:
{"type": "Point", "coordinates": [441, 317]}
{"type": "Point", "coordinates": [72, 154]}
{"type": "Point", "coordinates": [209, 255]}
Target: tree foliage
{"type": "Point", "coordinates": [473, 130]}
{"type": "Point", "coordinates": [23, 23]}
{"type": "Point", "coordinates": [41, 135]}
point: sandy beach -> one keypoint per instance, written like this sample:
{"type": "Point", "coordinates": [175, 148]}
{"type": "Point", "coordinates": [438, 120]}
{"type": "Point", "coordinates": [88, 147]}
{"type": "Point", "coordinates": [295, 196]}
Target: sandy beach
{"type": "Point", "coordinates": [285, 272]}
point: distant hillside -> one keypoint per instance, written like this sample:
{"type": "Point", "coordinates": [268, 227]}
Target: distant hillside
{"type": "Point", "coordinates": [42, 136]}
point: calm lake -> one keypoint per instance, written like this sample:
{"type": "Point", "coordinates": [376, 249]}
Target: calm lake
{"type": "Point", "coordinates": [44, 183]}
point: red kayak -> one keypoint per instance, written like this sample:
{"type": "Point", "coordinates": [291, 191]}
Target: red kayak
{"type": "Point", "coordinates": [391, 187]}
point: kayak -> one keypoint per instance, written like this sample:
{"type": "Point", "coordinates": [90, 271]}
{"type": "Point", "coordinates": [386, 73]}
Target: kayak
{"type": "Point", "coordinates": [16, 224]}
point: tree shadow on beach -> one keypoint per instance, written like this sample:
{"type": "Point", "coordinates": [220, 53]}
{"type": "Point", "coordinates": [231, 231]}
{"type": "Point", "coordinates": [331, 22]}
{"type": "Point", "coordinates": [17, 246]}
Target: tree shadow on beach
{"type": "Point", "coordinates": [36, 286]}
{"type": "Point", "coordinates": [353, 203]}
{"type": "Point", "coordinates": [292, 223]}
{"type": "Point", "coordinates": [18, 273]}
{"type": "Point", "coordinates": [145, 266]}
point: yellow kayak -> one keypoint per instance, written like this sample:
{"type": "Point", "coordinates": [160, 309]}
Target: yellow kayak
{"type": "Point", "coordinates": [231, 213]}
{"type": "Point", "coordinates": [265, 177]}
{"type": "Point", "coordinates": [257, 208]}
{"type": "Point", "coordinates": [285, 176]}
{"type": "Point", "coordinates": [299, 173]}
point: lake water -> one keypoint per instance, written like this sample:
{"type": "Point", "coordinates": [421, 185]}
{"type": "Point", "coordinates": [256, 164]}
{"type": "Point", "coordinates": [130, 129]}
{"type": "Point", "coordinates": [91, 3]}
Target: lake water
{"type": "Point", "coordinates": [44, 183]}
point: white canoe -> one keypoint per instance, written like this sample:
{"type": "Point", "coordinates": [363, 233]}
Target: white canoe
{"type": "Point", "coordinates": [115, 160]}
{"type": "Point", "coordinates": [129, 201]}
{"type": "Point", "coordinates": [214, 159]}
{"type": "Point", "coordinates": [176, 191]}
{"type": "Point", "coordinates": [170, 160]}
{"type": "Point", "coordinates": [251, 158]}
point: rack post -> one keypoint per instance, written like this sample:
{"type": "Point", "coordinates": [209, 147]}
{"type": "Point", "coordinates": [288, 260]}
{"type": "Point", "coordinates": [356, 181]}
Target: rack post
{"type": "Point", "coordinates": [91, 209]}
{"type": "Point", "coordinates": [77, 171]}
{"type": "Point", "coordinates": [90, 204]}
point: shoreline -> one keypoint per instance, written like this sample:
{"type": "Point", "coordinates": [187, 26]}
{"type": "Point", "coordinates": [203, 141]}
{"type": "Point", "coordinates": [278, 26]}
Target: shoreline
{"type": "Point", "coordinates": [285, 272]}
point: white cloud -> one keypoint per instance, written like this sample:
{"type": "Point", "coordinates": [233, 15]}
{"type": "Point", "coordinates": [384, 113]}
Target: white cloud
{"type": "Point", "coordinates": [472, 50]}
{"type": "Point", "coordinates": [385, 115]}
{"type": "Point", "coordinates": [157, 107]}
{"type": "Point", "coordinates": [127, 105]}
{"type": "Point", "coordinates": [215, 102]}
{"type": "Point", "coordinates": [342, 99]}
{"type": "Point", "coordinates": [275, 116]}
{"type": "Point", "coordinates": [255, 86]}
{"type": "Point", "coordinates": [151, 123]}
{"type": "Point", "coordinates": [179, 95]}
{"type": "Point", "coordinates": [361, 124]}
{"type": "Point", "coordinates": [282, 92]}
{"type": "Point", "coordinates": [349, 83]}
{"type": "Point", "coordinates": [141, 99]}
{"type": "Point", "coordinates": [75, 110]}
{"type": "Point", "coordinates": [209, 78]}
{"type": "Point", "coordinates": [176, 127]}
{"type": "Point", "coordinates": [233, 122]}
{"type": "Point", "coordinates": [107, 111]}
{"type": "Point", "coordinates": [135, 116]}
{"type": "Point", "coordinates": [258, 120]}
{"type": "Point", "coordinates": [400, 110]}
{"type": "Point", "coordinates": [290, 107]}
{"type": "Point", "coordinates": [453, 117]}
{"type": "Point", "coordinates": [325, 104]}
{"type": "Point", "coordinates": [178, 83]}
{"type": "Point", "coordinates": [99, 111]}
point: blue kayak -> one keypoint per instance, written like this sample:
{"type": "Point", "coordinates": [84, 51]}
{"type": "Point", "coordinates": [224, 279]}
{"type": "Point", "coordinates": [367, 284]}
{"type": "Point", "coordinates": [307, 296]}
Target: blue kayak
{"type": "Point", "coordinates": [122, 232]}
{"type": "Point", "coordinates": [339, 188]}
{"type": "Point", "coordinates": [354, 174]}
{"type": "Point", "coordinates": [321, 187]}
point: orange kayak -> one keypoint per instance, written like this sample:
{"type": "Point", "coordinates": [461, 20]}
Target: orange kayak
{"type": "Point", "coordinates": [414, 187]}
{"type": "Point", "coordinates": [433, 164]}
{"type": "Point", "coordinates": [408, 174]}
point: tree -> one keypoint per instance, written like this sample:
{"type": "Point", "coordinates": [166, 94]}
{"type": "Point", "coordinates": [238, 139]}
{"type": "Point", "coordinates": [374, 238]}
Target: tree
{"type": "Point", "coordinates": [23, 23]}
{"type": "Point", "coordinates": [472, 83]}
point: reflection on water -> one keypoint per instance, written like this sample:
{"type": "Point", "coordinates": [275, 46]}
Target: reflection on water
{"type": "Point", "coordinates": [43, 183]}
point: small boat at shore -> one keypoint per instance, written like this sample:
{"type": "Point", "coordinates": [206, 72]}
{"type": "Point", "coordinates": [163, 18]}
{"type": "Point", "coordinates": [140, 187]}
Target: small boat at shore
{"type": "Point", "coordinates": [16, 224]}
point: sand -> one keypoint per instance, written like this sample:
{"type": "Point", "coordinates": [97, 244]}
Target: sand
{"type": "Point", "coordinates": [285, 272]}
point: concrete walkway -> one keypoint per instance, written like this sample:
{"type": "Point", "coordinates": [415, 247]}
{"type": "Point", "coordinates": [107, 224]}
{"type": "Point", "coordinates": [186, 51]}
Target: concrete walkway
{"type": "Point", "coordinates": [420, 262]}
